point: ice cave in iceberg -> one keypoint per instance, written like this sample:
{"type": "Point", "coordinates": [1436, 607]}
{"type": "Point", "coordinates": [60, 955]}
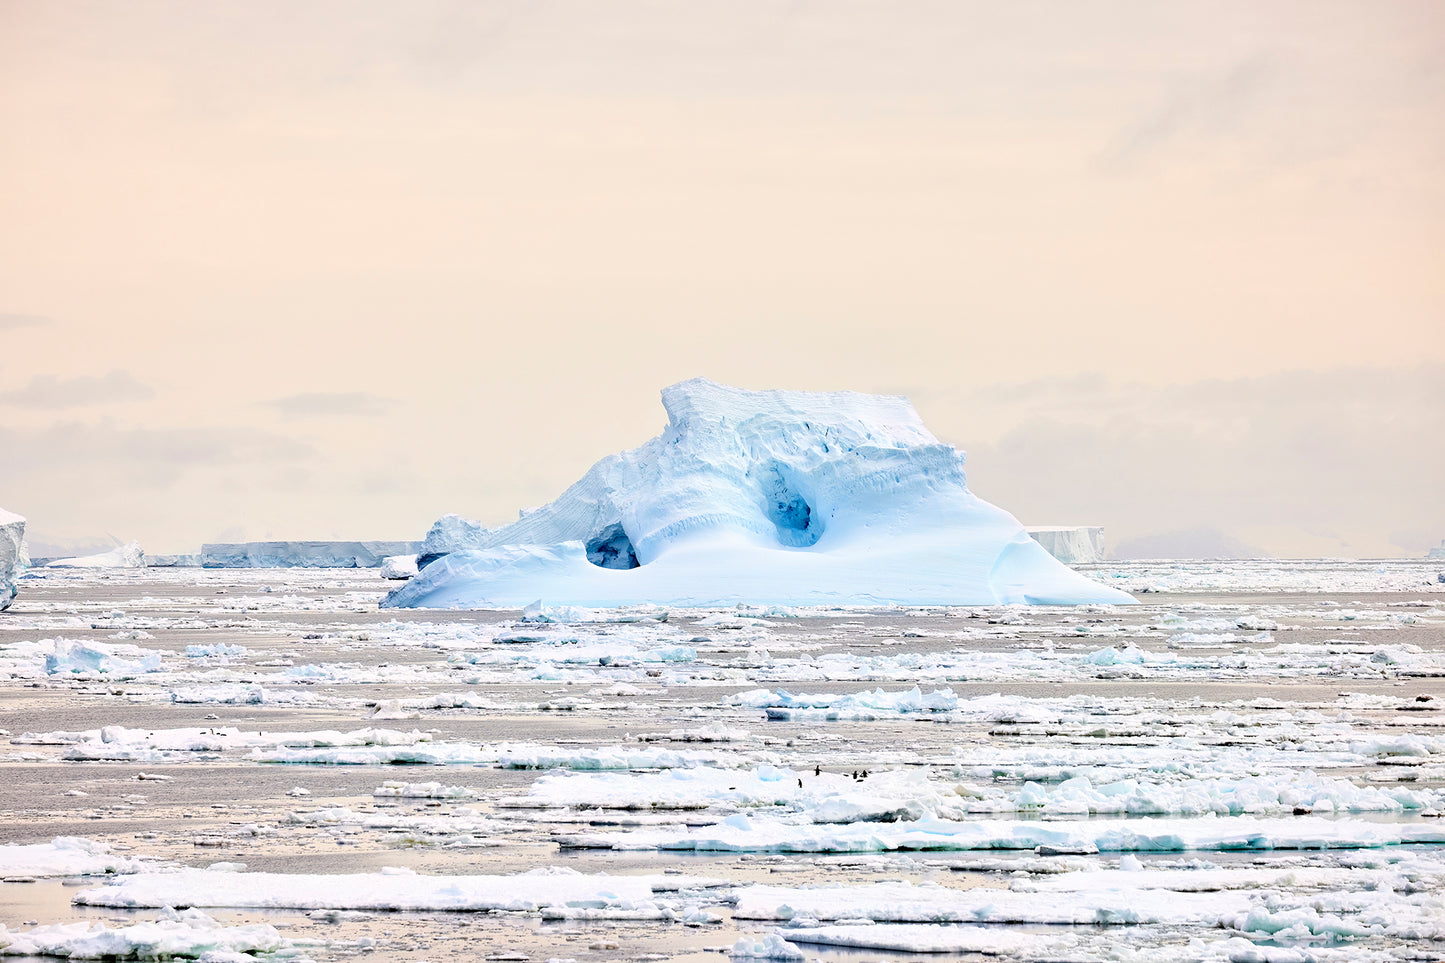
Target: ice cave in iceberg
{"type": "Point", "coordinates": [770, 497]}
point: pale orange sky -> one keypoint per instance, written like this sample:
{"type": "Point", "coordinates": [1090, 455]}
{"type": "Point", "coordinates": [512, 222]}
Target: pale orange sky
{"type": "Point", "coordinates": [306, 270]}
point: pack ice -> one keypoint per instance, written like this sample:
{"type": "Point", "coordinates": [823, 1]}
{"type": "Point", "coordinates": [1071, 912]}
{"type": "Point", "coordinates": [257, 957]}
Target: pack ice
{"type": "Point", "coordinates": [783, 497]}
{"type": "Point", "coordinates": [12, 554]}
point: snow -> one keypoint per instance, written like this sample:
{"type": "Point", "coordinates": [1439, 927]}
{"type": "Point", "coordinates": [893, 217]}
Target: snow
{"type": "Point", "coordinates": [13, 558]}
{"type": "Point", "coordinates": [1071, 544]}
{"type": "Point", "coordinates": [365, 554]}
{"type": "Point", "coordinates": [128, 555]}
{"type": "Point", "coordinates": [780, 497]}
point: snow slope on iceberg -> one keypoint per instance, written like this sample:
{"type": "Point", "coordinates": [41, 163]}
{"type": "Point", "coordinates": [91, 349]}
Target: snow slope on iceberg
{"type": "Point", "coordinates": [768, 496]}
{"type": "Point", "coordinates": [128, 555]}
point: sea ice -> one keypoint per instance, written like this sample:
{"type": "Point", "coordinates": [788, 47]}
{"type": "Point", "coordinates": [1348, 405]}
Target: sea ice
{"type": "Point", "coordinates": [551, 887]}
{"type": "Point", "coordinates": [781, 497]}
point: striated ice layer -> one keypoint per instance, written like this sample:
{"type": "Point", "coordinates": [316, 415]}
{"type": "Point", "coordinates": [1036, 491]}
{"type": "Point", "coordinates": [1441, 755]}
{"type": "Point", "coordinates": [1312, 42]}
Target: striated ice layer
{"type": "Point", "coordinates": [780, 497]}
{"type": "Point", "coordinates": [1071, 544]}
{"type": "Point", "coordinates": [367, 554]}
{"type": "Point", "coordinates": [12, 554]}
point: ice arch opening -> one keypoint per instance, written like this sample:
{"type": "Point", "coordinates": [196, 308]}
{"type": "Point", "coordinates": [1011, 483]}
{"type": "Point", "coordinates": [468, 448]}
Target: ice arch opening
{"type": "Point", "coordinates": [611, 548]}
{"type": "Point", "coordinates": [798, 525]}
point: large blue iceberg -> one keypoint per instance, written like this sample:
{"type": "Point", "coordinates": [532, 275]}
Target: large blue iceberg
{"type": "Point", "coordinates": [774, 497]}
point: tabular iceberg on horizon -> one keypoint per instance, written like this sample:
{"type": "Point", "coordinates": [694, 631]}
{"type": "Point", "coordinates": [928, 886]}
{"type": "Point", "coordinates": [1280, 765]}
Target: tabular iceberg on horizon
{"type": "Point", "coordinates": [771, 497]}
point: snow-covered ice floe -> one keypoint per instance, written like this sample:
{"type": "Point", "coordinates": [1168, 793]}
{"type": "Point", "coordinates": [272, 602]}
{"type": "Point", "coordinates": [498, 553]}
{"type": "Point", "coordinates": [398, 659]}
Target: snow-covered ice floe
{"type": "Point", "coordinates": [66, 856]}
{"type": "Point", "coordinates": [781, 497]}
{"type": "Point", "coordinates": [188, 934]}
{"type": "Point", "coordinates": [553, 890]}
{"type": "Point", "coordinates": [742, 833]}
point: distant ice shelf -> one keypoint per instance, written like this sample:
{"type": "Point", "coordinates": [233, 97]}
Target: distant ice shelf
{"type": "Point", "coordinates": [368, 554]}
{"type": "Point", "coordinates": [783, 497]}
{"type": "Point", "coordinates": [1071, 544]}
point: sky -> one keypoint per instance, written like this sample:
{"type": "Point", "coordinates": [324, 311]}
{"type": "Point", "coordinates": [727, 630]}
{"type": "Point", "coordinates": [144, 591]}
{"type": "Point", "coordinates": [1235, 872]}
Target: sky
{"type": "Point", "coordinates": [307, 270]}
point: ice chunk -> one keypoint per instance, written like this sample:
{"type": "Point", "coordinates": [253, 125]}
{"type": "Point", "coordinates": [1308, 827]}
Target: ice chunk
{"type": "Point", "coordinates": [12, 554]}
{"type": "Point", "coordinates": [779, 497]}
{"type": "Point", "coordinates": [128, 555]}
{"type": "Point", "coordinates": [400, 567]}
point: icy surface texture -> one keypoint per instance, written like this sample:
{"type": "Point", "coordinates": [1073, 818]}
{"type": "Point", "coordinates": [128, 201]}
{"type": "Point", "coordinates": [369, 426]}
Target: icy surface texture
{"type": "Point", "coordinates": [763, 496]}
{"type": "Point", "coordinates": [128, 555]}
{"type": "Point", "coordinates": [1071, 544]}
{"type": "Point", "coordinates": [399, 567]}
{"type": "Point", "coordinates": [301, 554]}
{"type": "Point", "coordinates": [12, 554]}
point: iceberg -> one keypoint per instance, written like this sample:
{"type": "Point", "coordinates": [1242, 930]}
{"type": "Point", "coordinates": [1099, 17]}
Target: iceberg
{"type": "Point", "coordinates": [781, 497]}
{"type": "Point", "coordinates": [128, 555]}
{"type": "Point", "coordinates": [1071, 544]}
{"type": "Point", "coordinates": [12, 554]}
{"type": "Point", "coordinates": [301, 554]}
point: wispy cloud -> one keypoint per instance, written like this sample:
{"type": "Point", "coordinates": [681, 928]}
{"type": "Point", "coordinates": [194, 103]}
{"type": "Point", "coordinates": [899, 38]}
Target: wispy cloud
{"type": "Point", "coordinates": [342, 404]}
{"type": "Point", "coordinates": [1200, 107]}
{"type": "Point", "coordinates": [48, 391]}
{"type": "Point", "coordinates": [12, 322]}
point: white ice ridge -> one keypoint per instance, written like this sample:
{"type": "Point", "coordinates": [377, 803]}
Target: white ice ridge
{"type": "Point", "coordinates": [12, 554]}
{"type": "Point", "coordinates": [782, 497]}
{"type": "Point", "coordinates": [128, 555]}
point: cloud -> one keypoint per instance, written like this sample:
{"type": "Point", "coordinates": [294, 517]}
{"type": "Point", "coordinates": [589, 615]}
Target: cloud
{"type": "Point", "coordinates": [109, 456]}
{"type": "Point", "coordinates": [1343, 462]}
{"type": "Point", "coordinates": [353, 404]}
{"type": "Point", "coordinates": [1203, 107]}
{"type": "Point", "coordinates": [12, 322]}
{"type": "Point", "coordinates": [47, 391]}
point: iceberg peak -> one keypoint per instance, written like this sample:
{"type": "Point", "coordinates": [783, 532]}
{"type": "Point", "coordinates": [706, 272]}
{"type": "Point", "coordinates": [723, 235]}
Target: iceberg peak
{"type": "Point", "coordinates": [786, 497]}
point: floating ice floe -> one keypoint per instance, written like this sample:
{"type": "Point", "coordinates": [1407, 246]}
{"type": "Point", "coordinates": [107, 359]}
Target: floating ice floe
{"type": "Point", "coordinates": [776, 834]}
{"type": "Point", "coordinates": [128, 555]}
{"type": "Point", "coordinates": [189, 934]}
{"type": "Point", "coordinates": [780, 497]}
{"type": "Point", "coordinates": [67, 856]}
{"type": "Point", "coordinates": [554, 889]}
{"type": "Point", "coordinates": [70, 657]}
